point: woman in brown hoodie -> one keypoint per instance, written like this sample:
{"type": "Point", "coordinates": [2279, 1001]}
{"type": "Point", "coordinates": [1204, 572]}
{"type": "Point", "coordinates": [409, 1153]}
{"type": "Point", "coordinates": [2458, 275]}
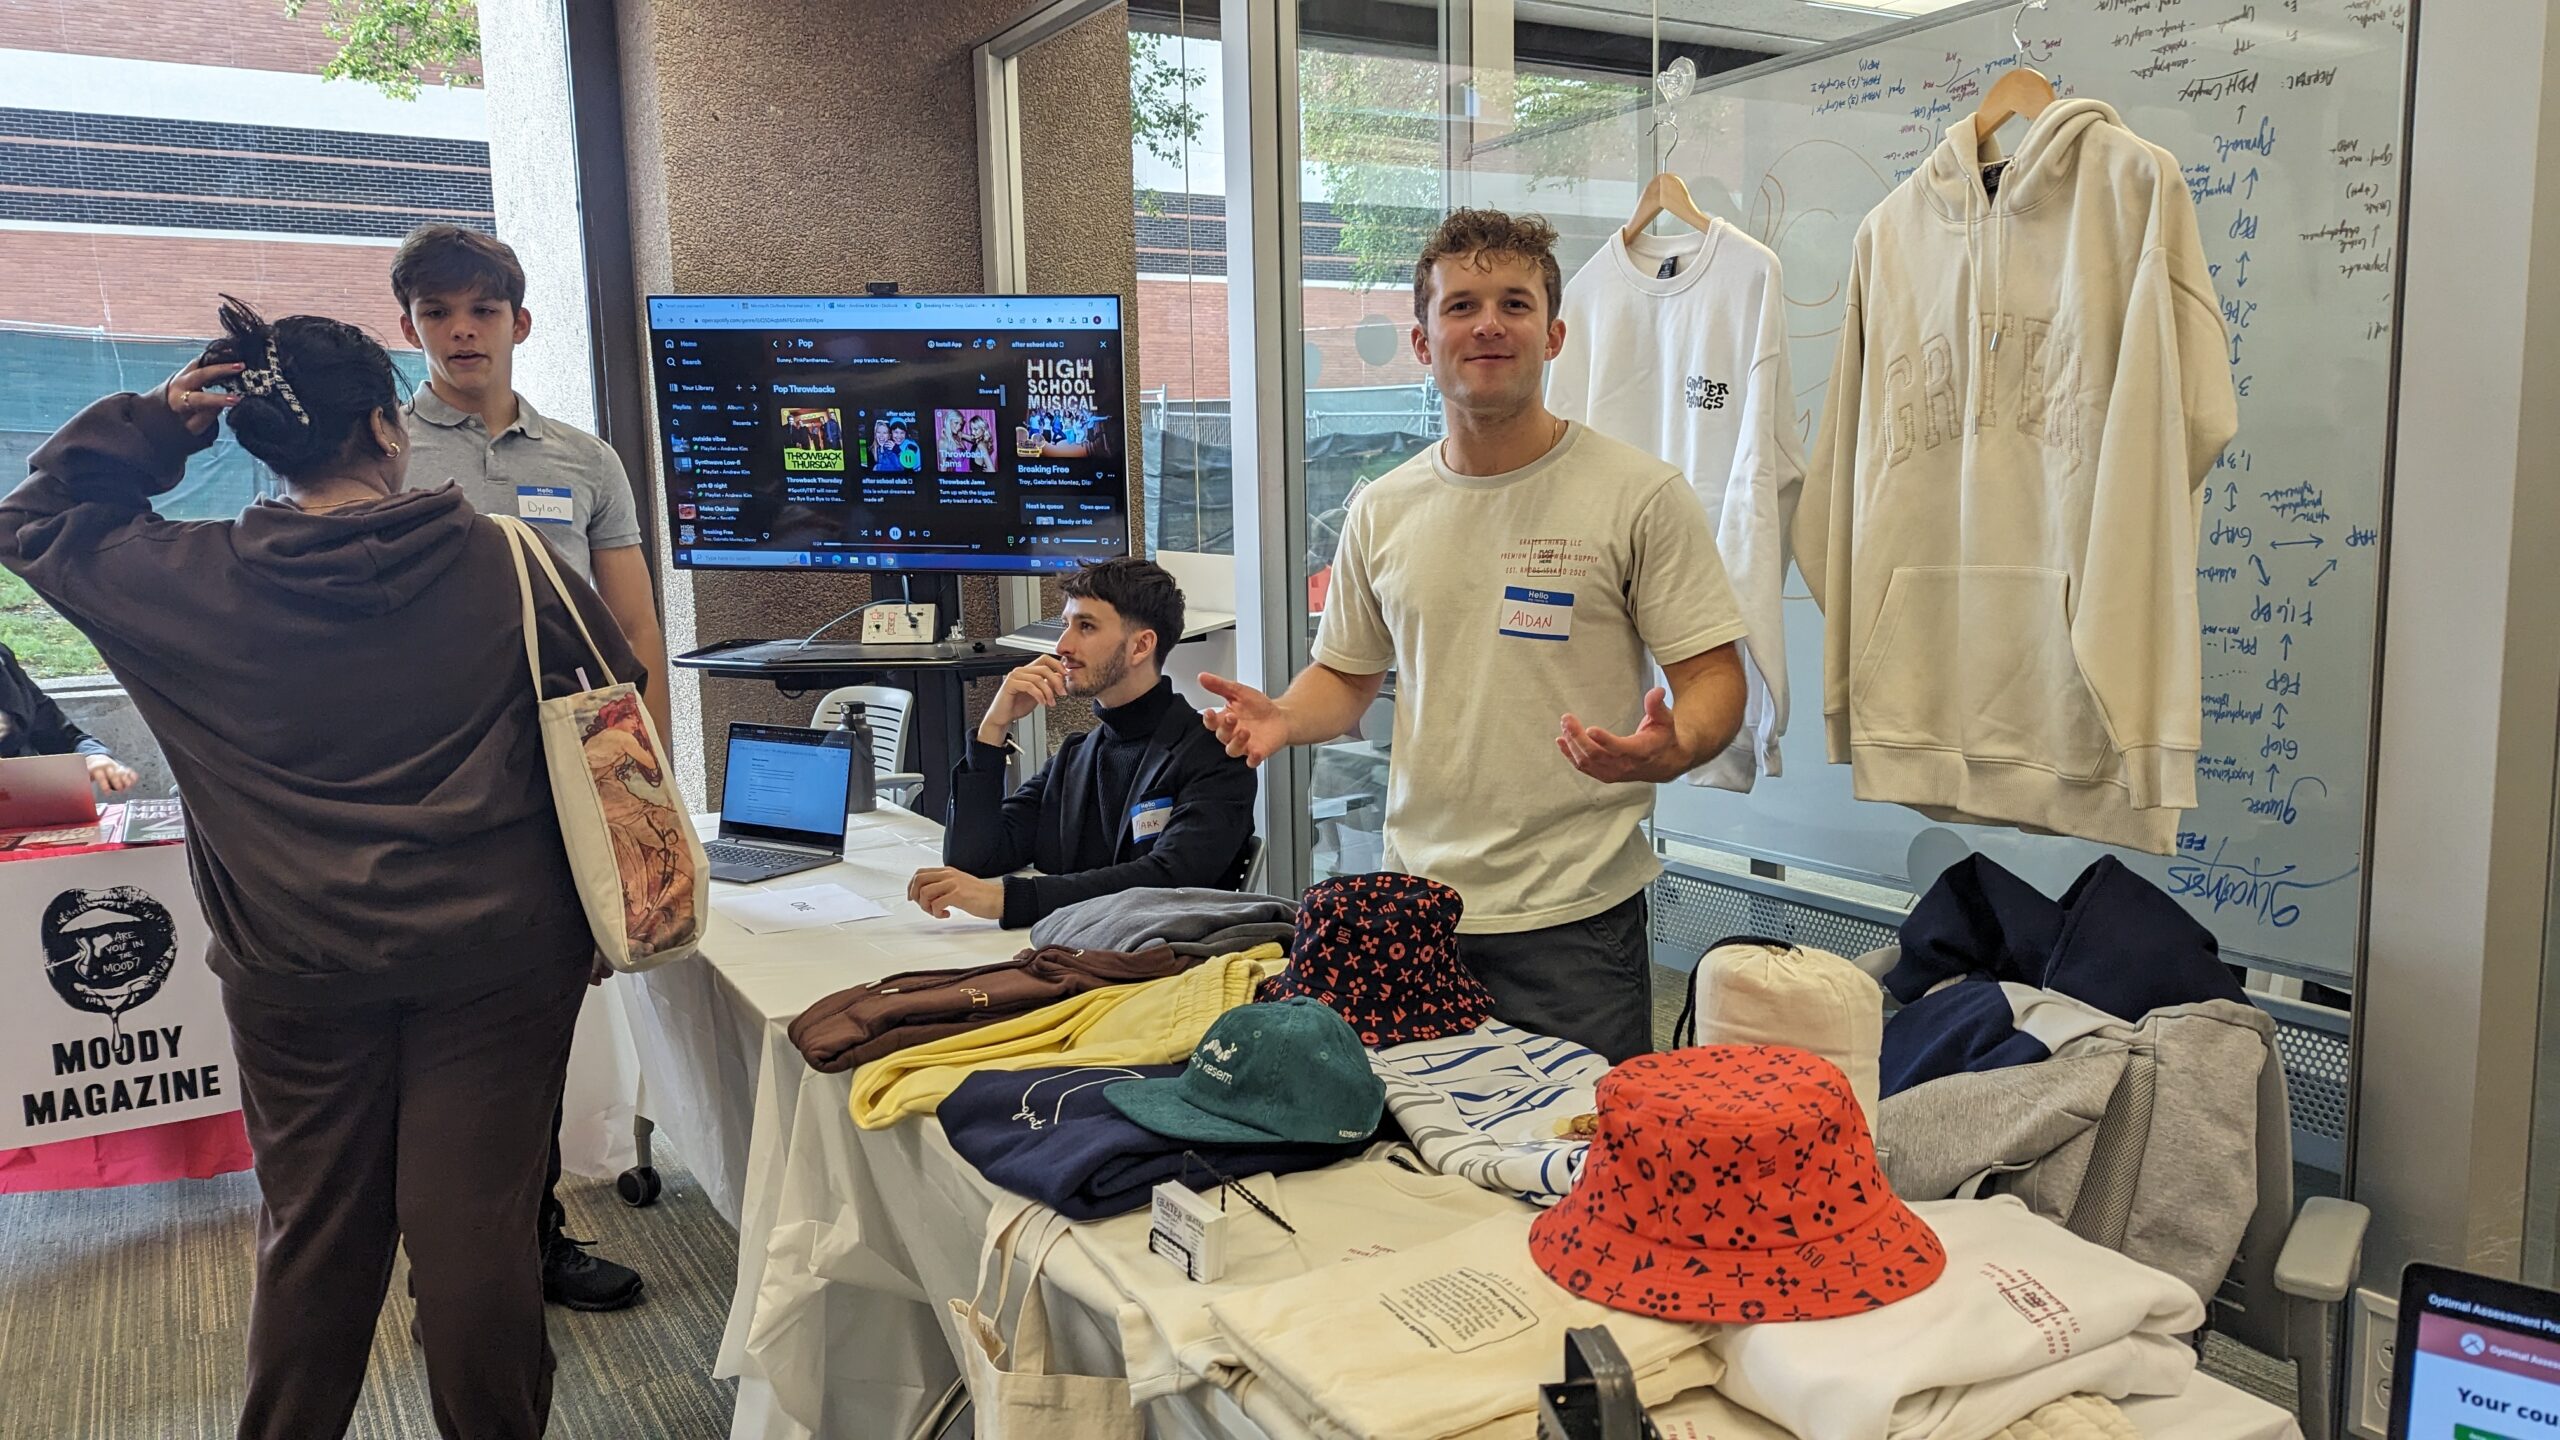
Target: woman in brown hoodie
{"type": "Point", "coordinates": [338, 680]}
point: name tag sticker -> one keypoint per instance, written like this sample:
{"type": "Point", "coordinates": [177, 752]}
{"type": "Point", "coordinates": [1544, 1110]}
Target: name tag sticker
{"type": "Point", "coordinates": [1148, 818]}
{"type": "Point", "coordinates": [1536, 614]}
{"type": "Point", "coordinates": [546, 504]}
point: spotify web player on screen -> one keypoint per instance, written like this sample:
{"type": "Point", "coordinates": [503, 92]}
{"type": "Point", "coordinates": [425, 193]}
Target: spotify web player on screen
{"type": "Point", "coordinates": [933, 433]}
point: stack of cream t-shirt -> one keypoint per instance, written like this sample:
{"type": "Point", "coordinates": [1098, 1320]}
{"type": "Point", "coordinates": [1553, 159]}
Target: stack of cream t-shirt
{"type": "Point", "coordinates": [1677, 345]}
{"type": "Point", "coordinates": [1343, 1215]}
{"type": "Point", "coordinates": [1705, 1415]}
{"type": "Point", "coordinates": [1447, 1340]}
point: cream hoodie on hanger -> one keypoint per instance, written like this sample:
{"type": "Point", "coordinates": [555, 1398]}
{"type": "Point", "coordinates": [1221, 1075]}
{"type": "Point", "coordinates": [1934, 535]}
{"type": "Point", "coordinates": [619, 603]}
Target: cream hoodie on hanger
{"type": "Point", "coordinates": [2000, 518]}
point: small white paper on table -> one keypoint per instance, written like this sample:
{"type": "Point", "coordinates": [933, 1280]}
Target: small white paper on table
{"type": "Point", "coordinates": [800, 907]}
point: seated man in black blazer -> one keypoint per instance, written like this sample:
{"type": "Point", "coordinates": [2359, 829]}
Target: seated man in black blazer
{"type": "Point", "coordinates": [1149, 798]}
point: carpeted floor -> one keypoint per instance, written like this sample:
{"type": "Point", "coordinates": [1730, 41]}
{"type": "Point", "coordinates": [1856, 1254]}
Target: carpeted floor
{"type": "Point", "coordinates": [122, 1316]}
{"type": "Point", "coordinates": [122, 1312]}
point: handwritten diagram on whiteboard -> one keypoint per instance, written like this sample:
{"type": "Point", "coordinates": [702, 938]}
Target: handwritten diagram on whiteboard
{"type": "Point", "coordinates": [2286, 115]}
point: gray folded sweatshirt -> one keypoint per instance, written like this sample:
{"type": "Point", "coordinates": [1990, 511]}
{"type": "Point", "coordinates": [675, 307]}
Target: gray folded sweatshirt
{"type": "Point", "coordinates": [1138, 919]}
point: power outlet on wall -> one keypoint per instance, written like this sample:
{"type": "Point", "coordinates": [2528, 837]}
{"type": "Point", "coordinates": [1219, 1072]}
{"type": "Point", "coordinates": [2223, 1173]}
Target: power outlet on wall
{"type": "Point", "coordinates": [2374, 1333]}
{"type": "Point", "coordinates": [898, 625]}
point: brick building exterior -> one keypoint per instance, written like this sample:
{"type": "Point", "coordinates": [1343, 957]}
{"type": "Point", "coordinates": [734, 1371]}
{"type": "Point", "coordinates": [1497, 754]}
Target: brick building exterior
{"type": "Point", "coordinates": [156, 156]}
{"type": "Point", "coordinates": [124, 215]}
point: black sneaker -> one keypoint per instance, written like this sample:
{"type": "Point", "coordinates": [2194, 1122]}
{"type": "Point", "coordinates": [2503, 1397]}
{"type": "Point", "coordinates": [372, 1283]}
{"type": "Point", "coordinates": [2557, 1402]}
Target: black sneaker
{"type": "Point", "coordinates": [572, 1277]}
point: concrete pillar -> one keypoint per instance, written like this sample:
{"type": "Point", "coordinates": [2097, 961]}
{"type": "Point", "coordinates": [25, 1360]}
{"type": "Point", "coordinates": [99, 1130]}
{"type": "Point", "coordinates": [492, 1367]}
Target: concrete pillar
{"type": "Point", "coordinates": [533, 168]}
{"type": "Point", "coordinates": [760, 165]}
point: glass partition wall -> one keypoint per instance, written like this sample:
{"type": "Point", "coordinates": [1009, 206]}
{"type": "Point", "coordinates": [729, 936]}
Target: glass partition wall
{"type": "Point", "coordinates": [1790, 120]}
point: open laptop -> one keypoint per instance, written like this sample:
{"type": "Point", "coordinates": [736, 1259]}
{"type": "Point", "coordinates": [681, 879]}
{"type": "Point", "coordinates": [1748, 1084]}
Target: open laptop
{"type": "Point", "coordinates": [2475, 1359]}
{"type": "Point", "coordinates": [45, 792]}
{"type": "Point", "coordinates": [782, 808]}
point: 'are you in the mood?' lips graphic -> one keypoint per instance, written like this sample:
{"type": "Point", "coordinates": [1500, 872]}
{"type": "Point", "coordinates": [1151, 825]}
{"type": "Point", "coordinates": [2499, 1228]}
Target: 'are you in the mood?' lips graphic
{"type": "Point", "coordinates": [108, 951]}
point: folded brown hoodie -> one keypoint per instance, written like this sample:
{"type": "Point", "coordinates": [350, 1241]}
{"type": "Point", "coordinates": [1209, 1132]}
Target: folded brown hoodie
{"type": "Point", "coordinates": [857, 1026]}
{"type": "Point", "coordinates": [343, 700]}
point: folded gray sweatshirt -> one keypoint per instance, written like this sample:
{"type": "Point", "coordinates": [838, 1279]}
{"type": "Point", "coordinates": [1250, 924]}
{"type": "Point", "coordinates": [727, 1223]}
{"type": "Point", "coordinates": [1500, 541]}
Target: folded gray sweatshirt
{"type": "Point", "coordinates": [1139, 919]}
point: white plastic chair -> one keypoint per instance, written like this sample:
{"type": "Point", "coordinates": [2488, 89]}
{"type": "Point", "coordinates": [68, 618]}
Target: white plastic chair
{"type": "Point", "coordinates": [885, 709]}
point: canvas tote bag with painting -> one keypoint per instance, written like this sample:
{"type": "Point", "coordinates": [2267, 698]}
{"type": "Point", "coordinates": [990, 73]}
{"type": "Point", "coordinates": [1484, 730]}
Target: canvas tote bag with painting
{"type": "Point", "coordinates": [639, 865]}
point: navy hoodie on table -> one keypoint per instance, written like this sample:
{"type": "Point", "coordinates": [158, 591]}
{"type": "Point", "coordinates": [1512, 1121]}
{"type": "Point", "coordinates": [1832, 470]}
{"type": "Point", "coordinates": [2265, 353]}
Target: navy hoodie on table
{"type": "Point", "coordinates": [2115, 942]}
{"type": "Point", "coordinates": [1049, 1135]}
{"type": "Point", "coordinates": [344, 702]}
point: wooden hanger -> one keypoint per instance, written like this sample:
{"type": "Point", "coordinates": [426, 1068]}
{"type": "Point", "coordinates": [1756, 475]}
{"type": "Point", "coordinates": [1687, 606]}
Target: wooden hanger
{"type": "Point", "coordinates": [2020, 92]}
{"type": "Point", "coordinates": [2023, 91]}
{"type": "Point", "coordinates": [1665, 194]}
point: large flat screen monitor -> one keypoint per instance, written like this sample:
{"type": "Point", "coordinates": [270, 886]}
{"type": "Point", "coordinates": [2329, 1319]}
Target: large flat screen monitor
{"type": "Point", "coordinates": [976, 433]}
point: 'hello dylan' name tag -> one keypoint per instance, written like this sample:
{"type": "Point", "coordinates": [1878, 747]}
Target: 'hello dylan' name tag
{"type": "Point", "coordinates": [1536, 614]}
{"type": "Point", "coordinates": [546, 504]}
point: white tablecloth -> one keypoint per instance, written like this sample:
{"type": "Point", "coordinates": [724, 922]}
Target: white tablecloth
{"type": "Point", "coordinates": [851, 1240]}
{"type": "Point", "coordinates": [604, 1087]}
{"type": "Point", "coordinates": [877, 1228]}
{"type": "Point", "coordinates": [721, 1078]}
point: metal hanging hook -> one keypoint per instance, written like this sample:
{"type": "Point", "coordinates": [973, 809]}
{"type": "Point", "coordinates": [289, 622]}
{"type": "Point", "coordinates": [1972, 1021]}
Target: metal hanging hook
{"type": "Point", "coordinates": [1663, 120]}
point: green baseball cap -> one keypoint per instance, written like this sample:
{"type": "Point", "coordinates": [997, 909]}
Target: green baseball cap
{"type": "Point", "coordinates": [1287, 1072]}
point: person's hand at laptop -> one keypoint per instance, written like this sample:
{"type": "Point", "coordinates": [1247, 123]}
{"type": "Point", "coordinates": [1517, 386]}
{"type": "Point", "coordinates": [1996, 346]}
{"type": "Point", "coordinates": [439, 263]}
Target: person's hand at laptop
{"type": "Point", "coordinates": [941, 890]}
{"type": "Point", "coordinates": [110, 776]}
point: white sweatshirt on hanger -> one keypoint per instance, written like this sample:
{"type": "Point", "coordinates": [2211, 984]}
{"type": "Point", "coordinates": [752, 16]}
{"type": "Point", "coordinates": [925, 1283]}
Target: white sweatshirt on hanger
{"type": "Point", "coordinates": [2000, 519]}
{"type": "Point", "coordinates": [1691, 366]}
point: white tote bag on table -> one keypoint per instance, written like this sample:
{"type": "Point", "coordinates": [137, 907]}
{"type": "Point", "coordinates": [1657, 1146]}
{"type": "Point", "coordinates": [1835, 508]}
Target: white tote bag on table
{"type": "Point", "coordinates": [641, 873]}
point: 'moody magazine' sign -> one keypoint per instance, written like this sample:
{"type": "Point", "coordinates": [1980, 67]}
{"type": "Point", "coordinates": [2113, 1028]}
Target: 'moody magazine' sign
{"type": "Point", "coordinates": [109, 1018]}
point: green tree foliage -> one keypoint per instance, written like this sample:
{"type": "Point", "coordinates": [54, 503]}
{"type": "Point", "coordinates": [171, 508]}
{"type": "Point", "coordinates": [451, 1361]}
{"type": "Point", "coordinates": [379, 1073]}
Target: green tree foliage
{"type": "Point", "coordinates": [1544, 101]}
{"type": "Point", "coordinates": [44, 642]}
{"type": "Point", "coordinates": [393, 45]}
{"type": "Point", "coordinates": [1375, 134]}
{"type": "Point", "coordinates": [1164, 118]}
{"type": "Point", "coordinates": [1370, 127]}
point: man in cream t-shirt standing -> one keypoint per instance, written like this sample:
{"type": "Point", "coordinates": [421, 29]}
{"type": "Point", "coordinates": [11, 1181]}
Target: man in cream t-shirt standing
{"type": "Point", "coordinates": [1514, 577]}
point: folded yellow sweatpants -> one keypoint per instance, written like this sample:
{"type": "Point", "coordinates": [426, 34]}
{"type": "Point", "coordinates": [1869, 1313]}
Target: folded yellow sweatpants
{"type": "Point", "coordinates": [1155, 1022]}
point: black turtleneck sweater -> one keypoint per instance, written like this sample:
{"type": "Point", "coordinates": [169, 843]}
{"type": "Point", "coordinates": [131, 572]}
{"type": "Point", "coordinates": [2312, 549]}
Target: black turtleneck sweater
{"type": "Point", "coordinates": [1077, 821]}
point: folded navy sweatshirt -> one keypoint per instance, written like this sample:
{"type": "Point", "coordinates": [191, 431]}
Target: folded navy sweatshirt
{"type": "Point", "coordinates": [1049, 1135]}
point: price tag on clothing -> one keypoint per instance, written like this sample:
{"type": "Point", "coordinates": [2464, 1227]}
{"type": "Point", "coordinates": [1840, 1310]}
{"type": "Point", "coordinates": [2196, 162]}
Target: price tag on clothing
{"type": "Point", "coordinates": [1148, 818]}
{"type": "Point", "coordinates": [1536, 614]}
{"type": "Point", "coordinates": [1189, 1230]}
{"type": "Point", "coordinates": [546, 504]}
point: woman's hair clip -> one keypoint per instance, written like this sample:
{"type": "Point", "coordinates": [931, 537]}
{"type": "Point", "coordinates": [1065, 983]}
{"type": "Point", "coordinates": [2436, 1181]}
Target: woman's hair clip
{"type": "Point", "coordinates": [269, 380]}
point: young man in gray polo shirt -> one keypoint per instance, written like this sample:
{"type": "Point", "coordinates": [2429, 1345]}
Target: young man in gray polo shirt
{"type": "Point", "coordinates": [461, 297]}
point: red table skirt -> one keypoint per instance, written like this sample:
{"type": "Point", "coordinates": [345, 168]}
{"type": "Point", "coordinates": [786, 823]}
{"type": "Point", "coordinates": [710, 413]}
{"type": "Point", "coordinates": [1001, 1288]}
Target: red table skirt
{"type": "Point", "coordinates": [184, 1150]}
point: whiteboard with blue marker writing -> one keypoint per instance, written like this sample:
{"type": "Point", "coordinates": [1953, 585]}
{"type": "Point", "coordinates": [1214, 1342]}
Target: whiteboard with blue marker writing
{"type": "Point", "coordinates": [2287, 116]}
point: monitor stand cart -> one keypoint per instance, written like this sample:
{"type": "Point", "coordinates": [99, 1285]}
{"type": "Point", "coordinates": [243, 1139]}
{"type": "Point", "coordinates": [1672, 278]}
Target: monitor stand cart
{"type": "Point", "coordinates": [940, 681]}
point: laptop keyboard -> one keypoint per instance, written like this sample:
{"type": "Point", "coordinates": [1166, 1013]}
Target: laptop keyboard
{"type": "Point", "coordinates": [752, 857]}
